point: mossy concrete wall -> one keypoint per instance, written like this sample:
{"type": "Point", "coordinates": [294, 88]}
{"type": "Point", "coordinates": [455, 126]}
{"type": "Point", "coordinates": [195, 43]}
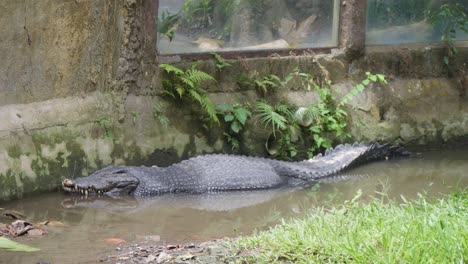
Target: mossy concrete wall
{"type": "Point", "coordinates": [80, 82]}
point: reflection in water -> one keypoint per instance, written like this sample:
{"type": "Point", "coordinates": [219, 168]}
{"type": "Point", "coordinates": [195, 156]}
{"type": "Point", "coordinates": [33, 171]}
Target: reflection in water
{"type": "Point", "coordinates": [191, 218]}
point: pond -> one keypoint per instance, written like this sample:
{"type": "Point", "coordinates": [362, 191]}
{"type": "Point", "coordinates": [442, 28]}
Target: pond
{"type": "Point", "coordinates": [174, 219]}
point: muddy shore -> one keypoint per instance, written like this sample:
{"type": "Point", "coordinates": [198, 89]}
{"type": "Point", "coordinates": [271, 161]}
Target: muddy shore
{"type": "Point", "coordinates": [215, 251]}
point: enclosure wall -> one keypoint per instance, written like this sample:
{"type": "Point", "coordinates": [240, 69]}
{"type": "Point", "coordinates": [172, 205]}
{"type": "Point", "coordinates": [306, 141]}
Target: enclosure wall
{"type": "Point", "coordinates": [81, 89]}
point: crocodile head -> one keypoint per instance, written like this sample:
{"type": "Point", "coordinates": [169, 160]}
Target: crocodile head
{"type": "Point", "coordinates": [113, 181]}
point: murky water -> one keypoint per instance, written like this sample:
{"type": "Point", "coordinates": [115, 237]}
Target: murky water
{"type": "Point", "coordinates": [184, 219]}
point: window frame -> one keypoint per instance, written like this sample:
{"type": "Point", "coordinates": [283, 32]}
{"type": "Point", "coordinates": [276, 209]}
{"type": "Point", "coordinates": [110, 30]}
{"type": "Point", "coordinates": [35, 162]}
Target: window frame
{"type": "Point", "coordinates": [336, 29]}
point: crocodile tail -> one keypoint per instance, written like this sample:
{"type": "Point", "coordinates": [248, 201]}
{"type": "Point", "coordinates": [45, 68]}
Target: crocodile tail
{"type": "Point", "coordinates": [341, 158]}
{"type": "Point", "coordinates": [376, 151]}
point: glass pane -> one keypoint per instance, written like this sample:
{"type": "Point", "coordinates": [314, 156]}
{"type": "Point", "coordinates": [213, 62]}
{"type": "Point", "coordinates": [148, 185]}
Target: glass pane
{"type": "Point", "coordinates": [409, 21]}
{"type": "Point", "coordinates": [192, 26]}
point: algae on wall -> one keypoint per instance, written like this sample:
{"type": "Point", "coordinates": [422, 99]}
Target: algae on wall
{"type": "Point", "coordinates": [39, 153]}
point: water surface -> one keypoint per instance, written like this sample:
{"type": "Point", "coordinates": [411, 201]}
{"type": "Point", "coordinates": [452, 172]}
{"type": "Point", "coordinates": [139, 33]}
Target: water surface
{"type": "Point", "coordinates": [182, 219]}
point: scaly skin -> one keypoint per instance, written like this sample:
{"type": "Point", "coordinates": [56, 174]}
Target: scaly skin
{"type": "Point", "coordinates": [218, 173]}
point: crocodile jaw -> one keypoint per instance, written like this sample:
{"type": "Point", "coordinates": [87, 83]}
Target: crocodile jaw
{"type": "Point", "coordinates": [102, 184]}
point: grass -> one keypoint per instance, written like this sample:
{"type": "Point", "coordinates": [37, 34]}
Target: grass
{"type": "Point", "coordinates": [418, 231]}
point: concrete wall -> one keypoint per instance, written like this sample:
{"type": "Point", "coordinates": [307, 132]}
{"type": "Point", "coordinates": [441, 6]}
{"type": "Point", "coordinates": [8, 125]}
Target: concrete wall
{"type": "Point", "coordinates": [79, 82]}
{"type": "Point", "coordinates": [54, 49]}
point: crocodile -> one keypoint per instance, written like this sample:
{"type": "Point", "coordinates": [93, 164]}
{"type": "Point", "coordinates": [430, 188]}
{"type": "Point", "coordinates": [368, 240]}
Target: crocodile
{"type": "Point", "coordinates": [221, 172]}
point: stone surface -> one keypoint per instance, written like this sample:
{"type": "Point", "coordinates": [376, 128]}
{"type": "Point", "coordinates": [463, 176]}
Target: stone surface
{"type": "Point", "coordinates": [54, 48]}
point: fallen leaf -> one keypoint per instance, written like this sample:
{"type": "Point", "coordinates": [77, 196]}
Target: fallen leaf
{"type": "Point", "coordinates": [10, 245]}
{"type": "Point", "coordinates": [114, 241]}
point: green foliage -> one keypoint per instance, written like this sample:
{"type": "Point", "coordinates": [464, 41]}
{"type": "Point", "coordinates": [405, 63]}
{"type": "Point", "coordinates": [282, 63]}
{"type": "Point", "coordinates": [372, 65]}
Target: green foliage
{"type": "Point", "coordinates": [235, 116]}
{"type": "Point", "coordinates": [106, 124]}
{"type": "Point", "coordinates": [267, 83]}
{"type": "Point", "coordinates": [371, 78]}
{"type": "Point", "coordinates": [378, 231]}
{"type": "Point", "coordinates": [135, 116]}
{"type": "Point", "coordinates": [327, 117]}
{"type": "Point", "coordinates": [159, 115]}
{"type": "Point", "coordinates": [168, 24]}
{"type": "Point", "coordinates": [187, 84]}
{"type": "Point", "coordinates": [198, 12]}
{"type": "Point", "coordinates": [212, 17]}
{"type": "Point", "coordinates": [10, 245]}
{"type": "Point", "coordinates": [223, 12]}
{"type": "Point", "coordinates": [449, 18]}
{"type": "Point", "coordinates": [280, 118]}
{"type": "Point", "coordinates": [277, 116]}
{"type": "Point", "coordinates": [300, 80]}
{"type": "Point", "coordinates": [263, 84]}
{"type": "Point", "coordinates": [220, 61]}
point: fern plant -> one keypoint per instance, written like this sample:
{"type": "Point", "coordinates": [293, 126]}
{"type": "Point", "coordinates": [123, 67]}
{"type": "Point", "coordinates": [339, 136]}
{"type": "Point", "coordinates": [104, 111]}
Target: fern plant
{"type": "Point", "coordinates": [220, 61]}
{"type": "Point", "coordinates": [188, 84]}
{"type": "Point", "coordinates": [267, 83]}
{"type": "Point", "coordinates": [280, 118]}
{"type": "Point", "coordinates": [263, 84]}
{"type": "Point", "coordinates": [275, 116]}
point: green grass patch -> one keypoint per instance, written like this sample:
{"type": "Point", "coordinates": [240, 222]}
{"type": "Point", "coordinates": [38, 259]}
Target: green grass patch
{"type": "Point", "coordinates": [381, 231]}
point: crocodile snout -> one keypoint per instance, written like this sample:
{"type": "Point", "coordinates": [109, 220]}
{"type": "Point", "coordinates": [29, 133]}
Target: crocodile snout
{"type": "Point", "coordinates": [68, 183]}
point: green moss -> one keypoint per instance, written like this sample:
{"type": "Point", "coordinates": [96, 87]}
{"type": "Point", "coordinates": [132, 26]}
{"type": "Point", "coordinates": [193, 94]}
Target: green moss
{"type": "Point", "coordinates": [118, 152]}
{"type": "Point", "coordinates": [135, 156]}
{"type": "Point", "coordinates": [76, 160]}
{"type": "Point", "coordinates": [8, 185]}
{"type": "Point", "coordinates": [44, 179]}
{"type": "Point", "coordinates": [14, 151]}
{"type": "Point", "coordinates": [49, 172]}
{"type": "Point", "coordinates": [29, 185]}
